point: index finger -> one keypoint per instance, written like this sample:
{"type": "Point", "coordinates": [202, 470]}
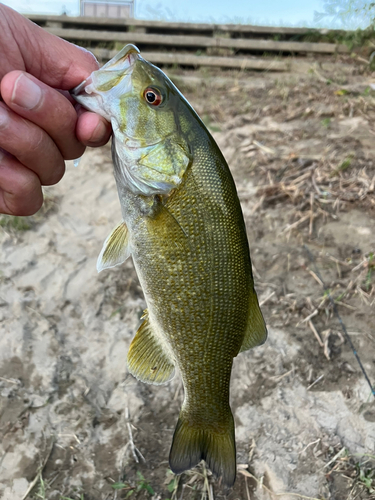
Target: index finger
{"type": "Point", "coordinates": [50, 59]}
{"type": "Point", "coordinates": [45, 107]}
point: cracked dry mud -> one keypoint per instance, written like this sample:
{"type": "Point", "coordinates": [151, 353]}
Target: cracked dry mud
{"type": "Point", "coordinates": [67, 404]}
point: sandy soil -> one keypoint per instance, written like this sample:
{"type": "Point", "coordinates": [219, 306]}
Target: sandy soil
{"type": "Point", "coordinates": [74, 424]}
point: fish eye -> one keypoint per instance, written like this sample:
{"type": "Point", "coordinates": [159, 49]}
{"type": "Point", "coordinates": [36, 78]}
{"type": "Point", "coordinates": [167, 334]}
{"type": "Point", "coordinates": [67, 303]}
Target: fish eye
{"type": "Point", "coordinates": [152, 96]}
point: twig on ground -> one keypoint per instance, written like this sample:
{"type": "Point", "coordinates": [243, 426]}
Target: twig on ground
{"type": "Point", "coordinates": [258, 204]}
{"type": "Point", "coordinates": [40, 470]}
{"type": "Point", "coordinates": [315, 382]}
{"type": "Point", "coordinates": [311, 213]}
{"type": "Point", "coordinates": [266, 299]}
{"type": "Point", "coordinates": [247, 489]}
{"type": "Point", "coordinates": [326, 334]}
{"type": "Point", "coordinates": [316, 278]}
{"type": "Point", "coordinates": [338, 455]}
{"type": "Point", "coordinates": [134, 449]}
{"type": "Point", "coordinates": [277, 378]}
{"type": "Point", "coordinates": [263, 148]}
{"type": "Point", "coordinates": [305, 320]}
{"type": "Point", "coordinates": [261, 485]}
{"type": "Point", "coordinates": [308, 446]}
{"type": "Point", "coordinates": [311, 325]}
{"type": "Point", "coordinates": [289, 227]}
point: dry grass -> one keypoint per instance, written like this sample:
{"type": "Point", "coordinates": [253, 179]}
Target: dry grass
{"type": "Point", "coordinates": [317, 187]}
{"type": "Point", "coordinates": [358, 471]}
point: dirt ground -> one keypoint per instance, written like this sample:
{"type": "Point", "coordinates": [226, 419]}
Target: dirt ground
{"type": "Point", "coordinates": [75, 425]}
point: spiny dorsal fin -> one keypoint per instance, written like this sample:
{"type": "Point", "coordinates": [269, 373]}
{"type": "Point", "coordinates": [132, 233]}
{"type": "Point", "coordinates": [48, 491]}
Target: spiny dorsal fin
{"type": "Point", "coordinates": [115, 248]}
{"type": "Point", "coordinates": [256, 332]}
{"type": "Point", "coordinates": [147, 361]}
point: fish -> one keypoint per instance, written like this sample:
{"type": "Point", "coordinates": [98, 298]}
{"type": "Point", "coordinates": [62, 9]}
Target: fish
{"type": "Point", "coordinates": [183, 226]}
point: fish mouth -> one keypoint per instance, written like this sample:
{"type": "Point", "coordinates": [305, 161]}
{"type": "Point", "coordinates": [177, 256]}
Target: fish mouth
{"type": "Point", "coordinates": [111, 81]}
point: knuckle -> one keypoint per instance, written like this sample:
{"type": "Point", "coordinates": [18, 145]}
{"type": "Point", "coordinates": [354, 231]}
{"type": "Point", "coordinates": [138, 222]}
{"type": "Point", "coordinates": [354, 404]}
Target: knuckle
{"type": "Point", "coordinates": [36, 140]}
{"type": "Point", "coordinates": [32, 208]}
{"type": "Point", "coordinates": [65, 117]}
{"type": "Point", "coordinates": [69, 117]}
{"type": "Point", "coordinates": [32, 141]}
{"type": "Point", "coordinates": [26, 187]}
{"type": "Point", "coordinates": [55, 174]}
{"type": "Point", "coordinates": [75, 151]}
{"type": "Point", "coordinates": [64, 133]}
{"type": "Point", "coordinates": [27, 197]}
{"type": "Point", "coordinates": [42, 155]}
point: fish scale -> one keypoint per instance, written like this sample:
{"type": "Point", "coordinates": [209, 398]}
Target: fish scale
{"type": "Point", "coordinates": [184, 228]}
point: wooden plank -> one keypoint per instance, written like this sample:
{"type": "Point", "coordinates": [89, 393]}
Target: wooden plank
{"type": "Point", "coordinates": [222, 62]}
{"type": "Point", "coordinates": [131, 37]}
{"type": "Point", "coordinates": [274, 46]}
{"type": "Point", "coordinates": [101, 21]}
{"type": "Point", "coordinates": [274, 30]}
{"type": "Point", "coordinates": [229, 28]}
{"type": "Point", "coordinates": [192, 60]}
{"type": "Point", "coordinates": [196, 41]}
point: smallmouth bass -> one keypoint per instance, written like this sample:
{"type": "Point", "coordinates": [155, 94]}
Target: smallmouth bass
{"type": "Point", "coordinates": [184, 228]}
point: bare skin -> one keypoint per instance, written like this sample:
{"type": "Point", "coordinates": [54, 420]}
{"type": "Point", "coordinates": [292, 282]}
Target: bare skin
{"type": "Point", "coordinates": [40, 126]}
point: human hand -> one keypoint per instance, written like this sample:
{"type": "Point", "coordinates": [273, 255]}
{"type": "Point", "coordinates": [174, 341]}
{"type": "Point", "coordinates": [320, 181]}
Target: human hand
{"type": "Point", "coordinates": [40, 126]}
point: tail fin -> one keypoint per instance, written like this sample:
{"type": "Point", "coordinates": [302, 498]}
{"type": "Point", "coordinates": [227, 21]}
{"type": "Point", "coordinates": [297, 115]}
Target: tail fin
{"type": "Point", "coordinates": [192, 444]}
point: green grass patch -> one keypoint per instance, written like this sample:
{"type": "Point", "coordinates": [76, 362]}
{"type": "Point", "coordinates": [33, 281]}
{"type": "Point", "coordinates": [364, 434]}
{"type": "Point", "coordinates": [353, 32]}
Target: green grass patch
{"type": "Point", "coordinates": [13, 223]}
{"type": "Point", "coordinates": [140, 484]}
{"type": "Point", "coordinates": [326, 122]}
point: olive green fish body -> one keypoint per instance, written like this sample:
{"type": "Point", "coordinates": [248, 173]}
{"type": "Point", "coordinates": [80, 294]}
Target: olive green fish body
{"type": "Point", "coordinates": [183, 227]}
{"type": "Point", "coordinates": [191, 256]}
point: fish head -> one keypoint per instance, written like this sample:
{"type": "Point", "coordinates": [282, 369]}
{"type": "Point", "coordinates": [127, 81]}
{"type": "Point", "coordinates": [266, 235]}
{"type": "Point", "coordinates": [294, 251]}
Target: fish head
{"type": "Point", "coordinates": [102, 89]}
{"type": "Point", "coordinates": [150, 151]}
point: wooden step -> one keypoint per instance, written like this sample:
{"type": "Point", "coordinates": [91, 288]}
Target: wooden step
{"type": "Point", "coordinates": [100, 23]}
{"type": "Point", "coordinates": [197, 61]}
{"type": "Point", "coordinates": [197, 41]}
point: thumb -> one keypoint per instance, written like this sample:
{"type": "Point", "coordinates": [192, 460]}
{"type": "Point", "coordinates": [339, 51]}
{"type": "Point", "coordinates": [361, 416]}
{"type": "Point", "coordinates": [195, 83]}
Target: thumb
{"type": "Point", "coordinates": [50, 59]}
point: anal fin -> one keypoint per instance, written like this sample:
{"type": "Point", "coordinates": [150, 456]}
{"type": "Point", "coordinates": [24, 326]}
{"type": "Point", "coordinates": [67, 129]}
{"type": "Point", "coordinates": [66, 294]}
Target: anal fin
{"type": "Point", "coordinates": [256, 331]}
{"type": "Point", "coordinates": [147, 360]}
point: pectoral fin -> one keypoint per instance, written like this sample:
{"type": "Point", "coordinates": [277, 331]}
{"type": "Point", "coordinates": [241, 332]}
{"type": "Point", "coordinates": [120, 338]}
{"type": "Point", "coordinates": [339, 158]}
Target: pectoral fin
{"type": "Point", "coordinates": [256, 332]}
{"type": "Point", "coordinates": [147, 360]}
{"type": "Point", "coordinates": [115, 248]}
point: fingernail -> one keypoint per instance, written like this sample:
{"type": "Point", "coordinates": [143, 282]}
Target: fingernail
{"type": "Point", "coordinates": [26, 93]}
{"type": "Point", "coordinates": [4, 118]}
{"type": "Point", "coordinates": [99, 132]}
